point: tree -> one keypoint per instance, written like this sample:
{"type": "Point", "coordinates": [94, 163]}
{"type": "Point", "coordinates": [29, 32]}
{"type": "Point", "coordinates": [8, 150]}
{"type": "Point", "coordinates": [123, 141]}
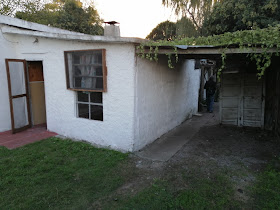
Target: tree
{"type": "Point", "coordinates": [196, 10]}
{"type": "Point", "coordinates": [37, 11]}
{"type": "Point", "coordinates": [9, 7]}
{"type": "Point", "coordinates": [74, 17]}
{"type": "Point", "coordinates": [185, 28]}
{"type": "Point", "coordinates": [163, 31]}
{"type": "Point", "coordinates": [234, 15]}
{"type": "Point", "coordinates": [65, 14]}
{"type": "Point", "coordinates": [169, 31]}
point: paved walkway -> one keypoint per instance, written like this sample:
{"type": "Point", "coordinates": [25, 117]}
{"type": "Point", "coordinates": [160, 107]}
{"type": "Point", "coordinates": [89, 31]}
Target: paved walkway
{"type": "Point", "coordinates": [170, 143]}
{"type": "Point", "coordinates": [28, 136]}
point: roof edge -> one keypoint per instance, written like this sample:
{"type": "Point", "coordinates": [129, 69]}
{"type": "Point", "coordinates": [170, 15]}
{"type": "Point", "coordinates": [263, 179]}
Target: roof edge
{"type": "Point", "coordinates": [33, 26]}
{"type": "Point", "coordinates": [77, 37]}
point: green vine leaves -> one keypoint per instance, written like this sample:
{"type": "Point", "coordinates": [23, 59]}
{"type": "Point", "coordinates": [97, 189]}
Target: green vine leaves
{"type": "Point", "coordinates": [264, 39]}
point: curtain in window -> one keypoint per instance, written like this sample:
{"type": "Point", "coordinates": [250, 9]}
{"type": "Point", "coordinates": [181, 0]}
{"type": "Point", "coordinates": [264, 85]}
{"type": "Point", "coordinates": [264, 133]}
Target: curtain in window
{"type": "Point", "coordinates": [88, 71]}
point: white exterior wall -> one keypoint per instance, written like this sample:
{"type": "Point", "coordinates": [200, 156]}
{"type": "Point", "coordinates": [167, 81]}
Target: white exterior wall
{"type": "Point", "coordinates": [7, 51]}
{"type": "Point", "coordinates": [116, 131]}
{"type": "Point", "coordinates": [164, 98]}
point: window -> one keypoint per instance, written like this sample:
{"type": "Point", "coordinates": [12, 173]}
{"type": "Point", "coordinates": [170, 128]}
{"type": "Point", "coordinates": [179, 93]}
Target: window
{"type": "Point", "coordinates": [86, 70]}
{"type": "Point", "coordinates": [89, 105]}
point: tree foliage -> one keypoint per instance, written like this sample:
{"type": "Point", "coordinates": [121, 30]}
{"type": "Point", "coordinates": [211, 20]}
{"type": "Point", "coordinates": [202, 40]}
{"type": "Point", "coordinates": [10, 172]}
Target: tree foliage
{"type": "Point", "coordinates": [185, 28]}
{"type": "Point", "coordinates": [163, 31]}
{"type": "Point", "coordinates": [65, 14]}
{"type": "Point", "coordinates": [169, 31]}
{"type": "Point", "coordinates": [234, 15]}
{"type": "Point", "coordinates": [196, 10]}
{"type": "Point", "coordinates": [9, 7]}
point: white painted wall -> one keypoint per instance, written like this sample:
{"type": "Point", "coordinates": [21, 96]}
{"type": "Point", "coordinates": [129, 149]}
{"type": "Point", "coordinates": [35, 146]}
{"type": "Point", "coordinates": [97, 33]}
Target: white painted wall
{"type": "Point", "coordinates": [164, 98]}
{"type": "Point", "coordinates": [7, 51]}
{"type": "Point", "coordinates": [116, 131]}
{"type": "Point", "coordinates": [144, 99]}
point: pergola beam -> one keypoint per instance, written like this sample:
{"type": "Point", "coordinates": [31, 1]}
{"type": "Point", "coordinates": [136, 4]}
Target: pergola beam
{"type": "Point", "coordinates": [210, 51]}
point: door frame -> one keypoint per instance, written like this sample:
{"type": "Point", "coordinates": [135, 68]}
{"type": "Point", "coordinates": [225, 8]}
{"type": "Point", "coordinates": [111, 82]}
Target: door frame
{"type": "Point", "coordinates": [16, 130]}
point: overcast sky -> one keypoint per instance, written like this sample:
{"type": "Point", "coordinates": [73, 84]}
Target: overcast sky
{"type": "Point", "coordinates": [137, 18]}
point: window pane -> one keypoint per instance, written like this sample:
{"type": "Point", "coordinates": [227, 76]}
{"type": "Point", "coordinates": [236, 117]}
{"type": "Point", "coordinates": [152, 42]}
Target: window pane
{"type": "Point", "coordinates": [85, 69]}
{"type": "Point", "coordinates": [77, 82]}
{"type": "Point", "coordinates": [83, 110]}
{"type": "Point", "coordinates": [78, 71]}
{"type": "Point", "coordinates": [86, 82]}
{"type": "Point", "coordinates": [96, 97]}
{"type": "Point", "coordinates": [82, 96]}
{"type": "Point", "coordinates": [76, 58]}
{"type": "Point", "coordinates": [97, 83]}
{"type": "Point", "coordinates": [97, 112]}
{"type": "Point", "coordinates": [17, 78]}
{"type": "Point", "coordinates": [99, 71]}
{"type": "Point", "coordinates": [20, 112]}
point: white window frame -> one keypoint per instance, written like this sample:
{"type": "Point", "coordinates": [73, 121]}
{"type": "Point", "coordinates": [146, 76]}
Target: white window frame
{"type": "Point", "coordinates": [89, 103]}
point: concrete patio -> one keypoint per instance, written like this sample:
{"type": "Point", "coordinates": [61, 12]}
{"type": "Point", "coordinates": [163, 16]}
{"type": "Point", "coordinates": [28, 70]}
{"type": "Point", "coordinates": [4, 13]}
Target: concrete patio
{"type": "Point", "coordinates": [170, 143]}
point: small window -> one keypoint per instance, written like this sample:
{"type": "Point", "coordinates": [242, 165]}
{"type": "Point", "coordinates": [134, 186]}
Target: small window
{"type": "Point", "coordinates": [86, 70]}
{"type": "Point", "coordinates": [90, 105]}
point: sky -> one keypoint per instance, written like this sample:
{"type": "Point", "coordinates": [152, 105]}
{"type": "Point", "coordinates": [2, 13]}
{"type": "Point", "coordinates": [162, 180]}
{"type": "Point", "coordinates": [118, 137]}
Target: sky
{"type": "Point", "coordinates": [137, 18]}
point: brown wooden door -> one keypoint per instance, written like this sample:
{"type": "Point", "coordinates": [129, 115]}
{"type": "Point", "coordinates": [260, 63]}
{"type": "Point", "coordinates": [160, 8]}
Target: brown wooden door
{"type": "Point", "coordinates": [18, 94]}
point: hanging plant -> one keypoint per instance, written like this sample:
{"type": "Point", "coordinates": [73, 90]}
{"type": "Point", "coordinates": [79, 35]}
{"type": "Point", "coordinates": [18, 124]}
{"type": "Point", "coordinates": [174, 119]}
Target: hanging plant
{"type": "Point", "coordinates": [265, 39]}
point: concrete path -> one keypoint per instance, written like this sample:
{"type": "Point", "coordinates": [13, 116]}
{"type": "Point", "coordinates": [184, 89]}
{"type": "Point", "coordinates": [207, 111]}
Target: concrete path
{"type": "Point", "coordinates": [170, 143]}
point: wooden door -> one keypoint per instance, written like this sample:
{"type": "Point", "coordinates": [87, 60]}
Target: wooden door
{"type": "Point", "coordinates": [18, 94]}
{"type": "Point", "coordinates": [252, 107]}
{"type": "Point", "coordinates": [230, 97]}
{"type": "Point", "coordinates": [242, 99]}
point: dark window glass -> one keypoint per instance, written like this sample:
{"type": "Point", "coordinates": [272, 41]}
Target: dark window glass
{"type": "Point", "coordinates": [96, 97]}
{"type": "Point", "coordinates": [78, 71]}
{"type": "Point", "coordinates": [76, 58]}
{"type": "Point", "coordinates": [99, 58]}
{"type": "Point", "coordinates": [78, 82]}
{"type": "Point", "coordinates": [99, 83]}
{"type": "Point", "coordinates": [89, 105]}
{"type": "Point", "coordinates": [83, 110]}
{"type": "Point", "coordinates": [82, 96]}
{"type": "Point", "coordinates": [96, 112]}
{"type": "Point", "coordinates": [99, 71]}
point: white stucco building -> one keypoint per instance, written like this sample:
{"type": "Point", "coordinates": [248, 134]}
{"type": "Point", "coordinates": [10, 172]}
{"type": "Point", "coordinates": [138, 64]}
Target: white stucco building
{"type": "Point", "coordinates": [92, 88]}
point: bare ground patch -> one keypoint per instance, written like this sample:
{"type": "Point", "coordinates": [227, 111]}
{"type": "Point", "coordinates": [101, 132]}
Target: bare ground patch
{"type": "Point", "coordinates": [236, 154]}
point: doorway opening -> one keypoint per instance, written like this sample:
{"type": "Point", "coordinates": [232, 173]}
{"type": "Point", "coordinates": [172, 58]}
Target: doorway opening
{"type": "Point", "coordinates": [36, 92]}
{"type": "Point", "coordinates": [26, 94]}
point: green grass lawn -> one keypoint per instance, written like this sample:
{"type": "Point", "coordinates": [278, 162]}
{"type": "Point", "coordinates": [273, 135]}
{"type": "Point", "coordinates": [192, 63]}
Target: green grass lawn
{"type": "Point", "coordinates": [57, 174]}
{"type": "Point", "coordinates": [266, 192]}
{"type": "Point", "coordinates": [63, 174]}
{"type": "Point", "coordinates": [203, 194]}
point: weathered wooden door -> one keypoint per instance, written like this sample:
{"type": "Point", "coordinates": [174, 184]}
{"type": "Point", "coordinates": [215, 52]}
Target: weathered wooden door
{"type": "Point", "coordinates": [242, 99]}
{"type": "Point", "coordinates": [230, 96]}
{"type": "Point", "coordinates": [252, 107]}
{"type": "Point", "coordinates": [18, 94]}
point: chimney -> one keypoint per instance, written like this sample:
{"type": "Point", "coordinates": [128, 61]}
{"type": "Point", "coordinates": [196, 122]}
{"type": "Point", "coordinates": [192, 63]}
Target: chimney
{"type": "Point", "coordinates": [111, 29]}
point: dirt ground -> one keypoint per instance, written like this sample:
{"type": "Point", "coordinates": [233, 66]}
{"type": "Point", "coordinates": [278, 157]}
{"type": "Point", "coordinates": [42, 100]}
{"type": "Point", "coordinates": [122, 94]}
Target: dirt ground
{"type": "Point", "coordinates": [241, 152]}
{"type": "Point", "coordinates": [238, 153]}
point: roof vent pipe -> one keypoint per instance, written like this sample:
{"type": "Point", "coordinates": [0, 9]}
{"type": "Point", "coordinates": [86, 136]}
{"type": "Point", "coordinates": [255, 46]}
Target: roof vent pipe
{"type": "Point", "coordinates": [111, 29]}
